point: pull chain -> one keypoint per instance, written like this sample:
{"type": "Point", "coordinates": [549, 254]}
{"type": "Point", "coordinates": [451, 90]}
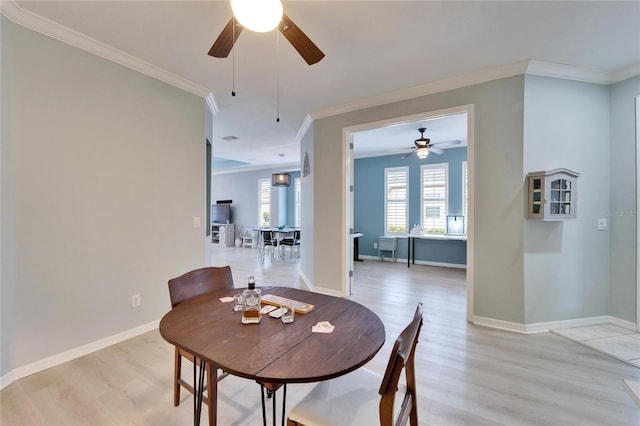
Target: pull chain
{"type": "Point", "coordinates": [277, 76]}
{"type": "Point", "coordinates": [233, 59]}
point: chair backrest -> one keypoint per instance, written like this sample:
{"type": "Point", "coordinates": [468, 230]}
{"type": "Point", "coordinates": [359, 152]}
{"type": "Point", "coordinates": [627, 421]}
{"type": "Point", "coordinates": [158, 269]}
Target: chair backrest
{"type": "Point", "coordinates": [267, 237]}
{"type": "Point", "coordinates": [296, 235]}
{"type": "Point", "coordinates": [402, 358]}
{"type": "Point", "coordinates": [199, 281]}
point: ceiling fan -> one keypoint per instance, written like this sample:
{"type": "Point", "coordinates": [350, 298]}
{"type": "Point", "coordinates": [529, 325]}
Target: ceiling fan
{"type": "Point", "coordinates": [423, 146]}
{"type": "Point", "coordinates": [298, 39]}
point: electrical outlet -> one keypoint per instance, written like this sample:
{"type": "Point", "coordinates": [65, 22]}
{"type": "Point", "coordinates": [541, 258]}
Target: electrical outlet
{"type": "Point", "coordinates": [375, 245]}
{"type": "Point", "coordinates": [602, 224]}
{"type": "Point", "coordinates": [135, 301]}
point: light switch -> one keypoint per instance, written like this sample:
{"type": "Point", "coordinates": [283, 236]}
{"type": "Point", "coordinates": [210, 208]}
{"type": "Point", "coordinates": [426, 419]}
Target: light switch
{"type": "Point", "coordinates": [602, 224]}
{"type": "Point", "coordinates": [196, 222]}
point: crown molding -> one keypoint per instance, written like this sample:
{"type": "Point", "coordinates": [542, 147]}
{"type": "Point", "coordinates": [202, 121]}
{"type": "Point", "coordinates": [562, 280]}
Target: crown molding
{"type": "Point", "coordinates": [568, 72]}
{"type": "Point", "coordinates": [532, 67]}
{"type": "Point", "coordinates": [471, 79]}
{"type": "Point", "coordinates": [52, 29]}
{"type": "Point", "coordinates": [625, 73]}
{"type": "Point", "coordinates": [306, 123]}
{"type": "Point", "coordinates": [211, 103]}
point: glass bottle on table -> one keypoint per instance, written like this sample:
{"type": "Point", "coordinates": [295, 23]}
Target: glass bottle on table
{"type": "Point", "coordinates": [251, 303]}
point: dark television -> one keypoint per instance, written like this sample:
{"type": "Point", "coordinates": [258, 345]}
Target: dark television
{"type": "Point", "coordinates": [221, 213]}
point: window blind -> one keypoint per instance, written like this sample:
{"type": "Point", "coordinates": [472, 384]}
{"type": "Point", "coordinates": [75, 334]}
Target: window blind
{"type": "Point", "coordinates": [264, 194]}
{"type": "Point", "coordinates": [434, 198]}
{"type": "Point", "coordinates": [396, 200]}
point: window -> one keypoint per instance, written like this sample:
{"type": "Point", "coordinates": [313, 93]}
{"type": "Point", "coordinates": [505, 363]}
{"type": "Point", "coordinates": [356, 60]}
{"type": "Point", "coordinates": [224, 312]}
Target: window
{"type": "Point", "coordinates": [264, 203]}
{"type": "Point", "coordinates": [396, 200]}
{"type": "Point", "coordinates": [434, 197]}
{"type": "Point", "coordinates": [297, 201]}
{"type": "Point", "coordinates": [465, 195]}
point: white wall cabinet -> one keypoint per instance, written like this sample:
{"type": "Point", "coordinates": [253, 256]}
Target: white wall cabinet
{"type": "Point", "coordinates": [553, 195]}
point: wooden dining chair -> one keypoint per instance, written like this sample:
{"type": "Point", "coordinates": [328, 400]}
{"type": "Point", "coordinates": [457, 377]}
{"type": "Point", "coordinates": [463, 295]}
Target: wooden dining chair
{"type": "Point", "coordinates": [352, 399]}
{"type": "Point", "coordinates": [181, 289]}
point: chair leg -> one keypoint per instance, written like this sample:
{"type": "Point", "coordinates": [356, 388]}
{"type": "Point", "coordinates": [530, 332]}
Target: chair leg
{"type": "Point", "coordinates": [176, 377]}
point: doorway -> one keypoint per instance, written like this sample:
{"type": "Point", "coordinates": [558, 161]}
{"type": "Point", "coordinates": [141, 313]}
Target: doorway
{"type": "Point", "coordinates": [348, 212]}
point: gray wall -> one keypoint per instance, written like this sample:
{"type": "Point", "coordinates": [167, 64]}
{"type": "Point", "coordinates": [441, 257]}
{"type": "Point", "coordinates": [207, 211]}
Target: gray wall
{"type": "Point", "coordinates": [499, 219]}
{"type": "Point", "coordinates": [103, 172]}
{"type": "Point", "coordinates": [567, 262]}
{"type": "Point", "coordinates": [622, 214]}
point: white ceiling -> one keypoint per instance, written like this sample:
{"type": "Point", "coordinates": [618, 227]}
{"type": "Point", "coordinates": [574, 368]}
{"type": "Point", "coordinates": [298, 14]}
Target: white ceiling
{"type": "Point", "coordinates": [398, 138]}
{"type": "Point", "coordinates": [372, 48]}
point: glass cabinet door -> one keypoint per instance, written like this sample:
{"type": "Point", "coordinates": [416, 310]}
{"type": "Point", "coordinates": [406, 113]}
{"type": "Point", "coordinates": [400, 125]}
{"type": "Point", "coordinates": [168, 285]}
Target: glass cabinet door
{"type": "Point", "coordinates": [552, 195]}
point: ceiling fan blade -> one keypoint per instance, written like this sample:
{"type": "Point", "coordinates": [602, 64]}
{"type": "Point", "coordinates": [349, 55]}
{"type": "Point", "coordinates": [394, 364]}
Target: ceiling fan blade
{"type": "Point", "coordinates": [409, 153]}
{"type": "Point", "coordinates": [447, 143]}
{"type": "Point", "coordinates": [223, 45]}
{"type": "Point", "coordinates": [299, 40]}
{"type": "Point", "coordinates": [436, 150]}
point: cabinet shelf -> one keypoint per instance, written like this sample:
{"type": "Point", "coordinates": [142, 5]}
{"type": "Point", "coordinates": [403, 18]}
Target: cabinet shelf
{"type": "Point", "coordinates": [553, 195]}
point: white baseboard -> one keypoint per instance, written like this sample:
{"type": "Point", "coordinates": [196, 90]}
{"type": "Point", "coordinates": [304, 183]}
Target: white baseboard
{"type": "Point", "coordinates": [52, 361]}
{"type": "Point", "coordinates": [500, 324]}
{"type": "Point", "coordinates": [543, 327]}
{"type": "Point", "coordinates": [306, 280]}
{"type": "Point", "coordinates": [623, 323]}
{"type": "Point", "coordinates": [418, 262]}
{"type": "Point", "coordinates": [328, 291]}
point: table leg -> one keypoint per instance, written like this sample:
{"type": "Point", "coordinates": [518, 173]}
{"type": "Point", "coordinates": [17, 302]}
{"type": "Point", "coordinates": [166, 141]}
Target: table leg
{"type": "Point", "coordinates": [212, 395]}
{"type": "Point", "coordinates": [408, 251]}
{"type": "Point", "coordinates": [198, 389]}
{"type": "Point", "coordinates": [284, 403]}
{"type": "Point", "coordinates": [413, 251]}
{"type": "Point", "coordinates": [273, 409]}
{"type": "Point", "coordinates": [264, 411]}
{"type": "Point", "coordinates": [271, 392]}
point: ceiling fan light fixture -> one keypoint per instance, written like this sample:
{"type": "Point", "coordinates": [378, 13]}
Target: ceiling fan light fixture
{"type": "Point", "coordinates": [422, 153]}
{"type": "Point", "coordinates": [257, 15]}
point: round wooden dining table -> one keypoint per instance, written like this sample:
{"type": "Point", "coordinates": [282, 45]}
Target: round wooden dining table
{"type": "Point", "coordinates": [271, 352]}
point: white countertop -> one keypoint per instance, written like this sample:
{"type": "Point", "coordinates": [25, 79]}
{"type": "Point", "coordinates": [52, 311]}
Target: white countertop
{"type": "Point", "coordinates": [431, 236]}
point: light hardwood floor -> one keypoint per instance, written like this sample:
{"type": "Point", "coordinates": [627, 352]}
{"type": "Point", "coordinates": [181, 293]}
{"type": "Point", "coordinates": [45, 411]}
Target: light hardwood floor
{"type": "Point", "coordinates": [467, 375]}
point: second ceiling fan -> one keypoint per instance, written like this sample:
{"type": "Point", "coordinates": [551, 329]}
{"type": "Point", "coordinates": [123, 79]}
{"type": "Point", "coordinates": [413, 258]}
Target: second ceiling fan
{"type": "Point", "coordinates": [229, 35]}
{"type": "Point", "coordinates": [423, 146]}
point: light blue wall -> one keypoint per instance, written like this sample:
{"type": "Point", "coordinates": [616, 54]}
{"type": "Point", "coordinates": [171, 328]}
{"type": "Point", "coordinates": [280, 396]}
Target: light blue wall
{"type": "Point", "coordinates": [369, 203]}
{"type": "Point", "coordinates": [622, 215]}
{"type": "Point", "coordinates": [567, 262]}
{"type": "Point", "coordinates": [242, 189]}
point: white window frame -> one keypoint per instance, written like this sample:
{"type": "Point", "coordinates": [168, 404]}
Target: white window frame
{"type": "Point", "coordinates": [405, 201]}
{"type": "Point", "coordinates": [264, 202]}
{"type": "Point", "coordinates": [427, 225]}
{"type": "Point", "coordinates": [298, 201]}
{"type": "Point", "coordinates": [465, 194]}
